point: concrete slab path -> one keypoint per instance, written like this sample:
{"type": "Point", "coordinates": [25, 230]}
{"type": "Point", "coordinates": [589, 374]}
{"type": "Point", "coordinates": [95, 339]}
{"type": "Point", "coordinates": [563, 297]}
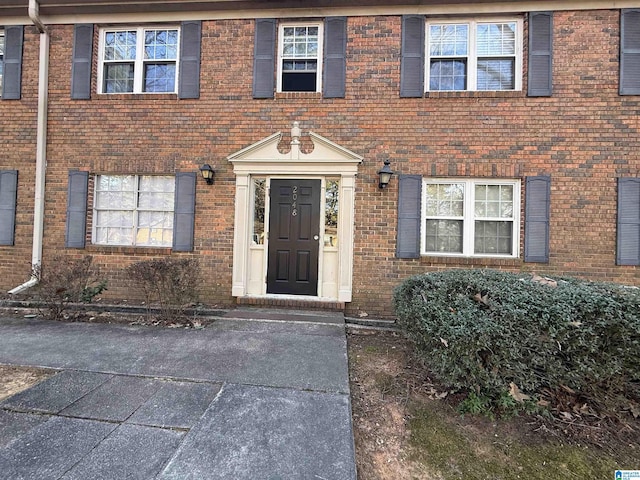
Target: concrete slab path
{"type": "Point", "coordinates": [240, 399]}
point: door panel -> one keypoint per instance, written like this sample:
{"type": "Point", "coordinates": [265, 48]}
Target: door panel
{"type": "Point", "coordinates": [294, 227]}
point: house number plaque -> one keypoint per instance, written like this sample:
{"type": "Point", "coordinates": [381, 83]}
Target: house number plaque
{"type": "Point", "coordinates": [294, 204]}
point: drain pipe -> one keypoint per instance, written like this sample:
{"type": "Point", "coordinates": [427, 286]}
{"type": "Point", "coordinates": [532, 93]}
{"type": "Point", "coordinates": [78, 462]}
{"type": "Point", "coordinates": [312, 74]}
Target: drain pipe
{"type": "Point", "coordinates": [41, 149]}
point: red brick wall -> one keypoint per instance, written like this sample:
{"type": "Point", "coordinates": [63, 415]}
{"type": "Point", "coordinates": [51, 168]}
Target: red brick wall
{"type": "Point", "coordinates": [585, 136]}
{"type": "Point", "coordinates": [18, 152]}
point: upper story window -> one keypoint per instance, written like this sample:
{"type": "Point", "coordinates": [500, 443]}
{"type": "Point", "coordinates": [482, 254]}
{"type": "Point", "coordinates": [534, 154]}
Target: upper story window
{"type": "Point", "coordinates": [474, 55]}
{"type": "Point", "coordinates": [1, 57]}
{"type": "Point", "coordinates": [135, 210]}
{"type": "Point", "coordinates": [137, 60]}
{"type": "Point", "coordinates": [300, 57]}
{"type": "Point", "coordinates": [471, 217]}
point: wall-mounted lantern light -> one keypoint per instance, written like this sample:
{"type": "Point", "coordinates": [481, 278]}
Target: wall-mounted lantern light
{"type": "Point", "coordinates": [207, 173]}
{"type": "Point", "coordinates": [385, 174]}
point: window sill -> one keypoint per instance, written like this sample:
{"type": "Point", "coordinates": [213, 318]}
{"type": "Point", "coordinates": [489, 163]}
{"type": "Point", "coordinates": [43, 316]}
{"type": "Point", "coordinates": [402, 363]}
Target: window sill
{"type": "Point", "coordinates": [296, 95]}
{"type": "Point", "coordinates": [471, 261]}
{"type": "Point", "coordinates": [127, 250]}
{"type": "Point", "coordinates": [477, 94]}
{"type": "Point", "coordinates": [136, 96]}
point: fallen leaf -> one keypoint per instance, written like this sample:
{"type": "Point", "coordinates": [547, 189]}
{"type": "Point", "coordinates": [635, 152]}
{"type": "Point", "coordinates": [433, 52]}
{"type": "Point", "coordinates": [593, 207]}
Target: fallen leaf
{"type": "Point", "coordinates": [566, 416]}
{"type": "Point", "coordinates": [517, 395]}
{"type": "Point", "coordinates": [444, 342]}
{"type": "Point", "coordinates": [543, 403]}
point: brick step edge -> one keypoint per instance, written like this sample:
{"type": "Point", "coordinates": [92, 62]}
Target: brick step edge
{"type": "Point", "coordinates": [374, 323]}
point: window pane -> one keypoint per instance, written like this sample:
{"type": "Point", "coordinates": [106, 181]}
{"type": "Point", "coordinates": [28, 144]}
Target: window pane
{"type": "Point", "coordinates": [159, 77]}
{"type": "Point", "coordinates": [496, 39]}
{"type": "Point", "coordinates": [448, 40]}
{"type": "Point", "coordinates": [331, 214]}
{"type": "Point", "coordinates": [493, 201]}
{"type": "Point", "coordinates": [445, 200]}
{"type": "Point", "coordinates": [496, 74]}
{"type": "Point", "coordinates": [120, 45]}
{"type": "Point", "coordinates": [259, 191]}
{"type": "Point", "coordinates": [118, 77]}
{"type": "Point", "coordinates": [493, 238]}
{"type": "Point", "coordinates": [152, 228]}
{"type": "Point", "coordinates": [156, 193]}
{"type": "Point", "coordinates": [1, 59]}
{"type": "Point", "coordinates": [444, 236]}
{"type": "Point", "coordinates": [448, 75]}
{"type": "Point", "coordinates": [299, 82]}
{"type": "Point", "coordinates": [300, 42]}
{"type": "Point", "coordinates": [160, 44]}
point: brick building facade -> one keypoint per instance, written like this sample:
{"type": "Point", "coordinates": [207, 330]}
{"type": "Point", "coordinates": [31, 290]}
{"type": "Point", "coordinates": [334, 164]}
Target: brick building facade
{"type": "Point", "coordinates": [513, 135]}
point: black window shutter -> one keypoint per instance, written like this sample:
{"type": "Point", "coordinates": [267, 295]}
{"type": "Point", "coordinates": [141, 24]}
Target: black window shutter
{"type": "Point", "coordinates": [190, 40]}
{"type": "Point", "coordinates": [412, 64]}
{"type": "Point", "coordinates": [335, 53]}
{"type": "Point", "coordinates": [81, 66]}
{"type": "Point", "coordinates": [536, 219]}
{"type": "Point", "coordinates": [184, 212]}
{"type": "Point", "coordinates": [76, 230]}
{"type": "Point", "coordinates": [264, 61]}
{"type": "Point", "coordinates": [409, 217]}
{"type": "Point", "coordinates": [630, 51]}
{"type": "Point", "coordinates": [8, 195]}
{"type": "Point", "coordinates": [540, 82]}
{"type": "Point", "coordinates": [628, 252]}
{"type": "Point", "coordinates": [12, 70]}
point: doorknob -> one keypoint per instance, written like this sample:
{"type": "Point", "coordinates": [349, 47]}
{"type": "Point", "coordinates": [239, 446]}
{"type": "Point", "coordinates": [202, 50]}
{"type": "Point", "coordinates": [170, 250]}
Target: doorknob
{"type": "Point", "coordinates": [316, 237]}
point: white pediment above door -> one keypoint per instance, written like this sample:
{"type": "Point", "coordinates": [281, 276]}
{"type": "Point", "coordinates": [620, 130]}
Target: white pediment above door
{"type": "Point", "coordinates": [265, 157]}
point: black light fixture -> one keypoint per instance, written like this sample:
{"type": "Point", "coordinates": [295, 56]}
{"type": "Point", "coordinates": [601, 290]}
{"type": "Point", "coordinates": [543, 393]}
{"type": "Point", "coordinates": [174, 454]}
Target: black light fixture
{"type": "Point", "coordinates": [385, 174]}
{"type": "Point", "coordinates": [207, 173]}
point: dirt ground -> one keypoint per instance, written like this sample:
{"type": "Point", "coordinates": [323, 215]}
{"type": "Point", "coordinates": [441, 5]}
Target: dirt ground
{"type": "Point", "coordinates": [406, 426]}
{"type": "Point", "coordinates": [377, 362]}
{"type": "Point", "coordinates": [15, 379]}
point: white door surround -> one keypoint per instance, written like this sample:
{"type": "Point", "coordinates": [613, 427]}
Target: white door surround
{"type": "Point", "coordinates": [264, 160]}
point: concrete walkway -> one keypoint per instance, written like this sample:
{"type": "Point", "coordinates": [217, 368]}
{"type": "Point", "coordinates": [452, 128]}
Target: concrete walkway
{"type": "Point", "coordinates": [249, 398]}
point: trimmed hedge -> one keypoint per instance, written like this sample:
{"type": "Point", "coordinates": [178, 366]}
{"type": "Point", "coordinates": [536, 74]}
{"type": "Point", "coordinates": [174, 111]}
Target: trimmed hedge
{"type": "Point", "coordinates": [481, 330]}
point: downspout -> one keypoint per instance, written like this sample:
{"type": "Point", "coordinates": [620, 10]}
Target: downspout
{"type": "Point", "coordinates": [41, 149]}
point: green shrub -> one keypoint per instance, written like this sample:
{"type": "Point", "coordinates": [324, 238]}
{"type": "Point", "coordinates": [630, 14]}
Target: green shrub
{"type": "Point", "coordinates": [482, 330]}
{"type": "Point", "coordinates": [170, 283]}
{"type": "Point", "coordinates": [64, 281]}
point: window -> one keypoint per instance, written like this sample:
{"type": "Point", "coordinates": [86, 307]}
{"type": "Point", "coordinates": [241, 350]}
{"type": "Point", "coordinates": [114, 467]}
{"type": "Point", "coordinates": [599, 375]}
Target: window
{"type": "Point", "coordinates": [1, 57]}
{"type": "Point", "coordinates": [139, 60]}
{"type": "Point", "coordinates": [474, 55]}
{"type": "Point", "coordinates": [300, 58]}
{"type": "Point", "coordinates": [471, 217]}
{"type": "Point", "coordinates": [331, 213]}
{"type": "Point", "coordinates": [133, 210]}
{"type": "Point", "coordinates": [259, 191]}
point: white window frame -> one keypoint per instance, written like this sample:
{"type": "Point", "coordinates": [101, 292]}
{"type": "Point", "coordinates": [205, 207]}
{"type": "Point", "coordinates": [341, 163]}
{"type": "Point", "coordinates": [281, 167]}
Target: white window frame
{"type": "Point", "coordinates": [281, 57]}
{"type": "Point", "coordinates": [2, 59]}
{"type": "Point", "coordinates": [136, 210]}
{"type": "Point", "coordinates": [472, 57]}
{"type": "Point", "coordinates": [468, 233]}
{"type": "Point", "coordinates": [138, 68]}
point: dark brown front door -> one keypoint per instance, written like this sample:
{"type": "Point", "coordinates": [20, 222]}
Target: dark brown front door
{"type": "Point", "coordinates": [294, 227]}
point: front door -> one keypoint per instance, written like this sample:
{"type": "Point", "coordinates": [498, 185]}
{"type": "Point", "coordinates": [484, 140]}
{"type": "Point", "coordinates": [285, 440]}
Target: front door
{"type": "Point", "coordinates": [294, 229]}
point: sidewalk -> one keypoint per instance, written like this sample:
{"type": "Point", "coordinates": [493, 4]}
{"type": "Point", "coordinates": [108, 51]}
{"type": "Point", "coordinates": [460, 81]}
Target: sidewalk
{"type": "Point", "coordinates": [242, 399]}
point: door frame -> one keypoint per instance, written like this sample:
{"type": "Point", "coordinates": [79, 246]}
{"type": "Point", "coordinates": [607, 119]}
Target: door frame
{"type": "Point", "coordinates": [264, 159]}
